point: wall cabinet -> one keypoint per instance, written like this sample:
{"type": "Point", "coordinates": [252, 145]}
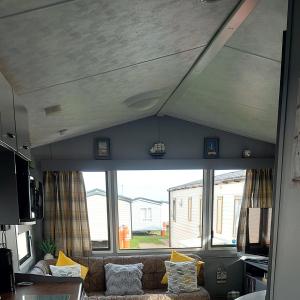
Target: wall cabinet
{"type": "Point", "coordinates": [22, 130]}
{"type": "Point", "coordinates": [15, 200]}
{"type": "Point", "coordinates": [14, 128]}
{"type": "Point", "coordinates": [7, 115]}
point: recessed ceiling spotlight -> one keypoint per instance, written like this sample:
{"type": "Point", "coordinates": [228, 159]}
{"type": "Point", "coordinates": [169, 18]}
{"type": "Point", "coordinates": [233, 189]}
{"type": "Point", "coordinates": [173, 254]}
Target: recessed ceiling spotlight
{"type": "Point", "coordinates": [62, 131]}
{"type": "Point", "coordinates": [50, 110]}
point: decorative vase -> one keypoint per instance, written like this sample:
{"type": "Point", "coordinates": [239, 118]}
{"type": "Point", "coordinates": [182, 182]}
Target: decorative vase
{"type": "Point", "coordinates": [48, 256]}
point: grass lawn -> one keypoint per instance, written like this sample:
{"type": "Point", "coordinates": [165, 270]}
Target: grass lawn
{"type": "Point", "coordinates": [154, 238]}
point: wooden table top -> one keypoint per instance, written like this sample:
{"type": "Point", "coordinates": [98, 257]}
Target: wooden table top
{"type": "Point", "coordinates": [72, 289]}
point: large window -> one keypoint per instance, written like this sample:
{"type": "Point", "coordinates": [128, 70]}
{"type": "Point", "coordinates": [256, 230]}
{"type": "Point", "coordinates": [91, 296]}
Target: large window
{"type": "Point", "coordinates": [163, 208]}
{"type": "Point", "coordinates": [160, 209]}
{"type": "Point", "coordinates": [227, 196]}
{"type": "Point", "coordinates": [97, 205]}
{"type": "Point", "coordinates": [24, 247]}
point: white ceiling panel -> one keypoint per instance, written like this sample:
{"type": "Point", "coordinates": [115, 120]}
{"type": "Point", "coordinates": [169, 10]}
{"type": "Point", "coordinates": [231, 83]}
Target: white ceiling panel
{"type": "Point", "coordinates": [77, 39]}
{"type": "Point", "coordinates": [261, 33]}
{"type": "Point", "coordinates": [98, 102]}
{"type": "Point", "coordinates": [237, 92]}
{"type": "Point", "coordinates": [12, 7]}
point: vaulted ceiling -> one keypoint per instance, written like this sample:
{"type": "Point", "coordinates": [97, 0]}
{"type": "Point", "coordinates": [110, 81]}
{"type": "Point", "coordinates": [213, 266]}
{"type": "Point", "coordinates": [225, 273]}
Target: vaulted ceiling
{"type": "Point", "coordinates": [98, 59]}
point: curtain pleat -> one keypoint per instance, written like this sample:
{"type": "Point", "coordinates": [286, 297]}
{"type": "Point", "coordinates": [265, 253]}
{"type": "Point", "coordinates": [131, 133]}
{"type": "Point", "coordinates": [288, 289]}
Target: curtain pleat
{"type": "Point", "coordinates": [66, 217]}
{"type": "Point", "coordinates": [258, 193]}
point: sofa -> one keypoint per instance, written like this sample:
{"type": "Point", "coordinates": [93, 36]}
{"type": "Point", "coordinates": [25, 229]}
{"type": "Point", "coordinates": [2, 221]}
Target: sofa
{"type": "Point", "coordinates": [153, 271]}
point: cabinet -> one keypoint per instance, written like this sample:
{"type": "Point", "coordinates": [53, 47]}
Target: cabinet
{"type": "Point", "coordinates": [15, 200]}
{"type": "Point", "coordinates": [22, 129]}
{"type": "Point", "coordinates": [7, 115]}
{"type": "Point", "coordinates": [256, 274]}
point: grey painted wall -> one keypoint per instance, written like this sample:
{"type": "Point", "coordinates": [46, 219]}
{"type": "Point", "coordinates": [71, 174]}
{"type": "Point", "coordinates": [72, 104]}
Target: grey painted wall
{"type": "Point", "coordinates": [286, 237]}
{"type": "Point", "coordinates": [184, 141]}
{"type": "Point", "coordinates": [131, 142]}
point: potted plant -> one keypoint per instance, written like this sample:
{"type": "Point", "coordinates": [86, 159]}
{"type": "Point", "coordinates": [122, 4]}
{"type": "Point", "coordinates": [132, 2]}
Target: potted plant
{"type": "Point", "coordinates": [48, 248]}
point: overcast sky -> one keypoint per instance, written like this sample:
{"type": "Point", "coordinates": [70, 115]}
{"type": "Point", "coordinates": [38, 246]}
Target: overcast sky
{"type": "Point", "coordinates": [149, 184]}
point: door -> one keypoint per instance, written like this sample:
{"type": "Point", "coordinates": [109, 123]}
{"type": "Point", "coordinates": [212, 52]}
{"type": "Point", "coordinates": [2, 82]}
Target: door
{"type": "Point", "coordinates": [7, 118]}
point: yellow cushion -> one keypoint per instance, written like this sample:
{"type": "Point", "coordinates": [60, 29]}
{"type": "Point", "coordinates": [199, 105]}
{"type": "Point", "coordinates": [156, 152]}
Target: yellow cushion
{"type": "Point", "coordinates": [179, 257]}
{"type": "Point", "coordinates": [64, 260]}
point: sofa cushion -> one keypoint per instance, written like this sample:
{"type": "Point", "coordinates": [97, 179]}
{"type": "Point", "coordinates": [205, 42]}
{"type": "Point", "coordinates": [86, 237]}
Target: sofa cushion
{"type": "Point", "coordinates": [160, 294]}
{"type": "Point", "coordinates": [182, 276]}
{"type": "Point", "coordinates": [180, 257]}
{"type": "Point", "coordinates": [65, 271]}
{"type": "Point", "coordinates": [124, 279]}
{"type": "Point", "coordinates": [64, 260]}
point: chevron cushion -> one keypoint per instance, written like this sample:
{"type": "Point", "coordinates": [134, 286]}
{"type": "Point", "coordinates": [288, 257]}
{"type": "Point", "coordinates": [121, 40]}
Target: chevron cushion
{"type": "Point", "coordinates": [182, 277]}
{"type": "Point", "coordinates": [123, 279]}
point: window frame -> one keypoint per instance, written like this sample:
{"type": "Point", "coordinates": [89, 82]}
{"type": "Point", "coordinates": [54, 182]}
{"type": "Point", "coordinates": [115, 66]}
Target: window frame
{"type": "Point", "coordinates": [206, 218]}
{"type": "Point", "coordinates": [190, 208]}
{"type": "Point", "coordinates": [28, 243]}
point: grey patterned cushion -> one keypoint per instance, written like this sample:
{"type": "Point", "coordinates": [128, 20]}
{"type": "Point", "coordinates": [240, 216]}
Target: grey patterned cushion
{"type": "Point", "coordinates": [66, 271]}
{"type": "Point", "coordinates": [123, 279]}
{"type": "Point", "coordinates": [182, 277]}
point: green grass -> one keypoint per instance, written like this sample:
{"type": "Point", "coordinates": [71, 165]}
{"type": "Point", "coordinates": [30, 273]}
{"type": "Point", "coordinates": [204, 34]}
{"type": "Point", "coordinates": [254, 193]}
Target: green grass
{"type": "Point", "coordinates": [153, 237]}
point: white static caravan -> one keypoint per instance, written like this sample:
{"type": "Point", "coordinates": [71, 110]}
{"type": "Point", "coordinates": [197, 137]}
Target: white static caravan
{"type": "Point", "coordinates": [146, 215]}
{"type": "Point", "coordinates": [185, 219]}
{"type": "Point", "coordinates": [97, 208]}
{"type": "Point", "coordinates": [228, 194]}
{"type": "Point", "coordinates": [186, 202]}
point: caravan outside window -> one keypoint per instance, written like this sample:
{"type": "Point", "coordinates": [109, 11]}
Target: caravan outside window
{"type": "Point", "coordinates": [228, 191]}
{"type": "Point", "coordinates": [148, 216]}
{"type": "Point", "coordinates": [97, 206]}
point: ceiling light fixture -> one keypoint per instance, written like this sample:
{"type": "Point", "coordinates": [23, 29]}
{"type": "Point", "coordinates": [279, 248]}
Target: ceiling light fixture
{"type": "Point", "coordinates": [144, 101]}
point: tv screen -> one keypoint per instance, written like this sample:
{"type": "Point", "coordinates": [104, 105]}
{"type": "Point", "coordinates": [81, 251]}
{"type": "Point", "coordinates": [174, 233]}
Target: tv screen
{"type": "Point", "coordinates": [259, 231]}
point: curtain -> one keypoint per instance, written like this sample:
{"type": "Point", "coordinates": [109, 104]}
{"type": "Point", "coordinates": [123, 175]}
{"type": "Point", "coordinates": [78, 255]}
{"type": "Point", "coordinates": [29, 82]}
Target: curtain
{"type": "Point", "coordinates": [66, 217]}
{"type": "Point", "coordinates": [258, 193]}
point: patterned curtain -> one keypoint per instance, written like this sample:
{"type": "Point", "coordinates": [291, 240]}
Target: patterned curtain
{"type": "Point", "coordinates": [258, 193]}
{"type": "Point", "coordinates": [66, 217]}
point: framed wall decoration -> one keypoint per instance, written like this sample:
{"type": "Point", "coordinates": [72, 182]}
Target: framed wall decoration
{"type": "Point", "coordinates": [211, 147]}
{"type": "Point", "coordinates": [102, 148]}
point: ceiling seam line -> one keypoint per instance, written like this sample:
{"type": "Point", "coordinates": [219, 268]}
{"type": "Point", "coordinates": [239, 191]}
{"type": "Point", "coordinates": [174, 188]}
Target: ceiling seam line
{"type": "Point", "coordinates": [110, 71]}
{"type": "Point", "coordinates": [252, 53]}
{"type": "Point", "coordinates": [35, 9]}
{"type": "Point", "coordinates": [203, 53]}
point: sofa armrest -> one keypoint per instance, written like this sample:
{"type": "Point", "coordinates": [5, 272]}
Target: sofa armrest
{"type": "Point", "coordinates": [42, 267]}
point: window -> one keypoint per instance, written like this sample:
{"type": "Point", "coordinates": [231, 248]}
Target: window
{"type": "Point", "coordinates": [228, 191]}
{"type": "Point", "coordinates": [148, 212]}
{"type": "Point", "coordinates": [174, 209]}
{"type": "Point", "coordinates": [219, 215]}
{"type": "Point", "coordinates": [24, 247]}
{"type": "Point", "coordinates": [237, 209]}
{"type": "Point", "coordinates": [97, 206]}
{"type": "Point", "coordinates": [190, 208]}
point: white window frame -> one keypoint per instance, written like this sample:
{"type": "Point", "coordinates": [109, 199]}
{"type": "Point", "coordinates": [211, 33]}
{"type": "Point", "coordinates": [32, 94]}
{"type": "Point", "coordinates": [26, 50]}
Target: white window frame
{"type": "Point", "coordinates": [207, 216]}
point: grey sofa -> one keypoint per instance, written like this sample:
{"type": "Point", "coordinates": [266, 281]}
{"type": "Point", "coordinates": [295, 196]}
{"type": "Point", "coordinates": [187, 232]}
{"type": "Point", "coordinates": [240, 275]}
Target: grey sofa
{"type": "Point", "coordinates": [154, 270]}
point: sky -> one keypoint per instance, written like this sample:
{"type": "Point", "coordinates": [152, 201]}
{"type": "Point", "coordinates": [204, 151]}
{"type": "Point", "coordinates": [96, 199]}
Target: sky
{"type": "Point", "coordinates": [151, 184]}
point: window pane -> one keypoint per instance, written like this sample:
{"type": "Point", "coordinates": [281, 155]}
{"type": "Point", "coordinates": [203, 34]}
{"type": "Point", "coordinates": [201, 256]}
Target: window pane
{"type": "Point", "coordinates": [228, 193]}
{"type": "Point", "coordinates": [23, 242]}
{"type": "Point", "coordinates": [95, 185]}
{"type": "Point", "coordinates": [254, 225]}
{"type": "Point", "coordinates": [160, 209]}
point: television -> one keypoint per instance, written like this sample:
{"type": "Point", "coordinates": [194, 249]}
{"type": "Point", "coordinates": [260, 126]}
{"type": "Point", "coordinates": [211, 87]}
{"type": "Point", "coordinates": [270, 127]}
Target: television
{"type": "Point", "coordinates": [259, 231]}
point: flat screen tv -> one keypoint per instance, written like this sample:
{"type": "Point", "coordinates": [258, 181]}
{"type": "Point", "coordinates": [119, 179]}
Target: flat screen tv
{"type": "Point", "coordinates": [259, 231]}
